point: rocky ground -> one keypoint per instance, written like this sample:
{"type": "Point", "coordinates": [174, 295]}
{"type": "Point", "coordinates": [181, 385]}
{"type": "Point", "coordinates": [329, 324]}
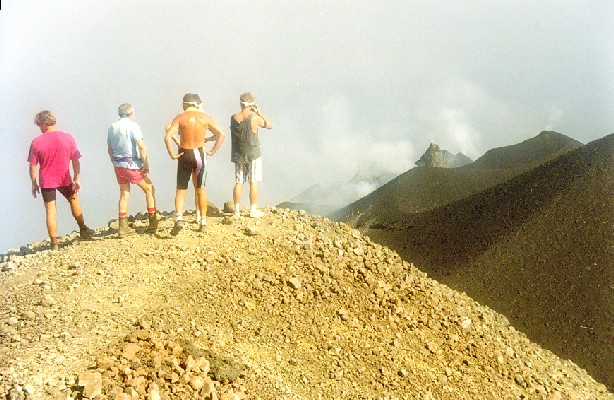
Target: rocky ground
{"type": "Point", "coordinates": [289, 306]}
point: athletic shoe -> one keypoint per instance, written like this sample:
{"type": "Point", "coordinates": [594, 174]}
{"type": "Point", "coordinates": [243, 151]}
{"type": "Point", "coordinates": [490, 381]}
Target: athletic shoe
{"type": "Point", "coordinates": [55, 247]}
{"type": "Point", "coordinates": [255, 213]}
{"type": "Point", "coordinates": [202, 228]}
{"type": "Point", "coordinates": [177, 227]}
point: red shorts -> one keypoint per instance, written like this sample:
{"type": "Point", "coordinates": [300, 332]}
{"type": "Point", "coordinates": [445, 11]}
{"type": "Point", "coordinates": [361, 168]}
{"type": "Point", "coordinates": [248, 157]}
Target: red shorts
{"type": "Point", "coordinates": [127, 175]}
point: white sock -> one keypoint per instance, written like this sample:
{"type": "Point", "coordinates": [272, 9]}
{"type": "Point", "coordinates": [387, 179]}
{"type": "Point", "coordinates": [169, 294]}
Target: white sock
{"type": "Point", "coordinates": [254, 207]}
{"type": "Point", "coordinates": [198, 215]}
{"type": "Point", "coordinates": [179, 216]}
{"type": "Point", "coordinates": [237, 208]}
{"type": "Point", "coordinates": [203, 221]}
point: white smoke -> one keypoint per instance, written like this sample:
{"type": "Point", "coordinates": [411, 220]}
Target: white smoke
{"type": "Point", "coordinates": [350, 148]}
{"type": "Point", "coordinates": [459, 132]}
{"type": "Point", "coordinates": [555, 118]}
{"type": "Point", "coordinates": [353, 159]}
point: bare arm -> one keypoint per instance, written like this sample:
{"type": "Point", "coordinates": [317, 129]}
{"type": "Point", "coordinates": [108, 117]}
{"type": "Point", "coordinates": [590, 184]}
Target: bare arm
{"type": "Point", "coordinates": [219, 137]}
{"type": "Point", "coordinates": [110, 151]}
{"type": "Point", "coordinates": [76, 167]}
{"type": "Point", "coordinates": [261, 120]}
{"type": "Point", "coordinates": [35, 188]}
{"type": "Point", "coordinates": [171, 128]}
{"type": "Point", "coordinates": [143, 150]}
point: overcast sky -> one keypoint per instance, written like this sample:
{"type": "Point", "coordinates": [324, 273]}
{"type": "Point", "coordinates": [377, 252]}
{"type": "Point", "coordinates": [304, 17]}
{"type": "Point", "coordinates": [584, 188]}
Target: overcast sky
{"type": "Point", "coordinates": [360, 85]}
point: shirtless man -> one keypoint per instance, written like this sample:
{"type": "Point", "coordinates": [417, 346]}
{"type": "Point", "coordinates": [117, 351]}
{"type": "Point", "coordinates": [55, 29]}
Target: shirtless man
{"type": "Point", "coordinates": [192, 126]}
{"type": "Point", "coordinates": [194, 180]}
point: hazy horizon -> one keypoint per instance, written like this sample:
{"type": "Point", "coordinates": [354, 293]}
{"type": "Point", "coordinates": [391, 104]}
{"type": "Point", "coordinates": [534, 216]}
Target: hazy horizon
{"type": "Point", "coordinates": [366, 85]}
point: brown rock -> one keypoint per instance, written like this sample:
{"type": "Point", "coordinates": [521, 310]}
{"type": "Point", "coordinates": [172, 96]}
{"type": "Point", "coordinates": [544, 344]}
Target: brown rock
{"type": "Point", "coordinates": [229, 207]}
{"type": "Point", "coordinates": [105, 363]}
{"type": "Point", "coordinates": [294, 283]}
{"type": "Point", "coordinates": [48, 301]}
{"type": "Point", "coordinates": [197, 383]}
{"type": "Point", "coordinates": [208, 387]}
{"type": "Point", "coordinates": [92, 384]}
{"type": "Point", "coordinates": [203, 365]}
{"type": "Point", "coordinates": [130, 350]}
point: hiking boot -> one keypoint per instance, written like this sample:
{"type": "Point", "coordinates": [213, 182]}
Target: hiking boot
{"type": "Point", "coordinates": [153, 223]}
{"type": "Point", "coordinates": [177, 227]}
{"type": "Point", "coordinates": [124, 229]}
{"type": "Point", "coordinates": [55, 247]}
{"type": "Point", "coordinates": [85, 233]}
{"type": "Point", "coordinates": [202, 228]}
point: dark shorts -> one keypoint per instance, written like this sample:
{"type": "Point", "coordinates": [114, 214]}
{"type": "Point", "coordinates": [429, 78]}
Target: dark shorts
{"type": "Point", "coordinates": [192, 162]}
{"type": "Point", "coordinates": [49, 194]}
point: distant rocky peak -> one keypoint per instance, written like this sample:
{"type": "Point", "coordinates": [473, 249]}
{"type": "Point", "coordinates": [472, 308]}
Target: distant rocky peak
{"type": "Point", "coordinates": [434, 157]}
{"type": "Point", "coordinates": [548, 134]}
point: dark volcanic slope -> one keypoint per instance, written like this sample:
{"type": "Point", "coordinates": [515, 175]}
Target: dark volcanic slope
{"type": "Point", "coordinates": [421, 189]}
{"type": "Point", "coordinates": [544, 147]}
{"type": "Point", "coordinates": [417, 190]}
{"type": "Point", "coordinates": [537, 248]}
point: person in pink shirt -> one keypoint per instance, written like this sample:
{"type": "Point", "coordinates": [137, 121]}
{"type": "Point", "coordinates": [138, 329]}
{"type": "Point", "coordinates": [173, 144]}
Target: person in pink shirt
{"type": "Point", "coordinates": [54, 151]}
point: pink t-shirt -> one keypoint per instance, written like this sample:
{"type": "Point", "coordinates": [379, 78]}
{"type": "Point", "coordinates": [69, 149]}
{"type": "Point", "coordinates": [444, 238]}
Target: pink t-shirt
{"type": "Point", "coordinates": [54, 151]}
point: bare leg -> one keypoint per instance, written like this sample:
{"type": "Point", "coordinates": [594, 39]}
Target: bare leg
{"type": "Point", "coordinates": [179, 209]}
{"type": "Point", "coordinates": [50, 211]}
{"type": "Point", "coordinates": [180, 201]}
{"type": "Point", "coordinates": [196, 204]}
{"type": "Point", "coordinates": [253, 199]}
{"type": "Point", "coordinates": [122, 206]}
{"type": "Point", "coordinates": [75, 208]}
{"type": "Point", "coordinates": [124, 197]}
{"type": "Point", "coordinates": [201, 195]}
{"type": "Point", "coordinates": [237, 192]}
{"type": "Point", "coordinates": [253, 192]}
{"type": "Point", "coordinates": [148, 188]}
{"type": "Point", "coordinates": [236, 196]}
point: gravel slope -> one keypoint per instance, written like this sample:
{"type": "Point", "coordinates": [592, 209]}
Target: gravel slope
{"type": "Point", "coordinates": [290, 306]}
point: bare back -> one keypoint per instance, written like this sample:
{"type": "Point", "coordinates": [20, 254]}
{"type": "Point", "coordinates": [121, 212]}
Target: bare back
{"type": "Point", "coordinates": [192, 126]}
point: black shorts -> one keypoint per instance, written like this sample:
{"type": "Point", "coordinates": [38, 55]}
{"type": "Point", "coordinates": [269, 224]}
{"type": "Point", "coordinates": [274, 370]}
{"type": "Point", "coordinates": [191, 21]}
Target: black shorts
{"type": "Point", "coordinates": [49, 194]}
{"type": "Point", "coordinates": [193, 161]}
